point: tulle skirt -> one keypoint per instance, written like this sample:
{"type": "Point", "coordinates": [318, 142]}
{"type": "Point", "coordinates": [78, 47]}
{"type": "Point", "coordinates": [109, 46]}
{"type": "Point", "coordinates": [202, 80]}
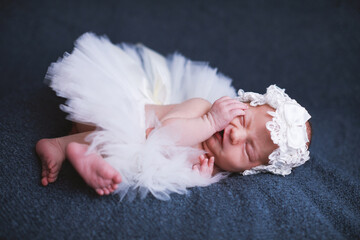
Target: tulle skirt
{"type": "Point", "coordinates": [108, 85]}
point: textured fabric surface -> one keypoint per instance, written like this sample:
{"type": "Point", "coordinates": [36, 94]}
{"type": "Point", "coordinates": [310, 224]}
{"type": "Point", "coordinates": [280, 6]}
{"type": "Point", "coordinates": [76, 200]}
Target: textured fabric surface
{"type": "Point", "coordinates": [311, 49]}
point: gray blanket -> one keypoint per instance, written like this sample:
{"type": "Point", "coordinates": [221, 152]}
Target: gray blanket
{"type": "Point", "coordinates": [311, 49]}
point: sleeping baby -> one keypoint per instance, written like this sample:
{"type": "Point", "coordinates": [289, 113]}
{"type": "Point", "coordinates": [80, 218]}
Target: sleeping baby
{"type": "Point", "coordinates": [130, 137]}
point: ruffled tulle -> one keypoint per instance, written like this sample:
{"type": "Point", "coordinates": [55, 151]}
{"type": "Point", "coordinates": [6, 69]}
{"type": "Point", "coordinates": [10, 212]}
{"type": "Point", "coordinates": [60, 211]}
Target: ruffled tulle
{"type": "Point", "coordinates": [108, 85]}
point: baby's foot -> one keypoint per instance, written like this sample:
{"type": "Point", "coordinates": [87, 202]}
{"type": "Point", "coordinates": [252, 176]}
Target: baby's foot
{"type": "Point", "coordinates": [96, 172]}
{"type": "Point", "coordinates": [52, 157]}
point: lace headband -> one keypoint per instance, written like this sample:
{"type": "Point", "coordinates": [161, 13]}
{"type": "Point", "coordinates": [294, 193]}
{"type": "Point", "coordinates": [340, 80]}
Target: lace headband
{"type": "Point", "coordinates": [287, 130]}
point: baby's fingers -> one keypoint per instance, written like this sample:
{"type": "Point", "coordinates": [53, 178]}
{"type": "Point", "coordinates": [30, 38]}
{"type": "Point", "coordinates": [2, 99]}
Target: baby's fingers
{"type": "Point", "coordinates": [195, 167]}
{"type": "Point", "coordinates": [211, 162]}
{"type": "Point", "coordinates": [223, 99]}
{"type": "Point", "coordinates": [237, 112]}
{"type": "Point", "coordinates": [232, 101]}
{"type": "Point", "coordinates": [201, 159]}
{"type": "Point", "coordinates": [236, 104]}
{"type": "Point", "coordinates": [204, 165]}
{"type": "Point", "coordinates": [211, 165]}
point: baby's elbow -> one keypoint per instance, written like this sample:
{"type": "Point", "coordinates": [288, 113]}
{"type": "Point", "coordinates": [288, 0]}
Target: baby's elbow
{"type": "Point", "coordinates": [200, 104]}
{"type": "Point", "coordinates": [168, 121]}
{"type": "Point", "coordinates": [199, 100]}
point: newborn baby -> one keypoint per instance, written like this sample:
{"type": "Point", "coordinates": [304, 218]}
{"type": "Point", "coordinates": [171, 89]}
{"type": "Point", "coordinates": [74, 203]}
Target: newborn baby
{"type": "Point", "coordinates": [145, 123]}
{"type": "Point", "coordinates": [232, 134]}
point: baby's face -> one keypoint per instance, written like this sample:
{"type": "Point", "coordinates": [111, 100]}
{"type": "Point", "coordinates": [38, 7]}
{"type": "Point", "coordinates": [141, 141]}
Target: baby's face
{"type": "Point", "coordinates": [244, 143]}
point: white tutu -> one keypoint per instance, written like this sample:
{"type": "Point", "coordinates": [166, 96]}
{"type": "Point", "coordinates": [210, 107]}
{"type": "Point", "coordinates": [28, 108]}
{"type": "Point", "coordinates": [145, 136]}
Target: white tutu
{"type": "Point", "coordinates": [108, 86]}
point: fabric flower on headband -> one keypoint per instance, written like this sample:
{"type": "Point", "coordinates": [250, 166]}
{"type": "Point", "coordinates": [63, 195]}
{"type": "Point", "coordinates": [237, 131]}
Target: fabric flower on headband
{"type": "Point", "coordinates": [287, 130]}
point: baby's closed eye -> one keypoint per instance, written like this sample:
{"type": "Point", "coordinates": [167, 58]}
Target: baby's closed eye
{"type": "Point", "coordinates": [247, 150]}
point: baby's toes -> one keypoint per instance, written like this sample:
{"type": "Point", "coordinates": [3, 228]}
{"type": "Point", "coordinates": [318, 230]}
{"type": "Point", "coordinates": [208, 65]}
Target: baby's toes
{"type": "Point", "coordinates": [51, 180]}
{"type": "Point", "coordinates": [117, 178]}
{"type": "Point", "coordinates": [44, 171]}
{"type": "Point", "coordinates": [99, 191]}
{"type": "Point", "coordinates": [110, 189]}
{"type": "Point", "coordinates": [102, 182]}
{"type": "Point", "coordinates": [114, 187]}
{"type": "Point", "coordinates": [44, 181]}
{"type": "Point", "coordinates": [44, 174]}
{"type": "Point", "coordinates": [106, 191]}
{"type": "Point", "coordinates": [52, 175]}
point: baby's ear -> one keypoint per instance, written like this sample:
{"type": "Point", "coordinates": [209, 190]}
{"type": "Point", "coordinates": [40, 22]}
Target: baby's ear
{"type": "Point", "coordinates": [309, 132]}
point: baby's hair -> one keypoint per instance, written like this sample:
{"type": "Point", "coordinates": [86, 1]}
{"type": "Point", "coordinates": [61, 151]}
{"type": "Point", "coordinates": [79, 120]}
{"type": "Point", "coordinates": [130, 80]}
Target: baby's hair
{"type": "Point", "coordinates": [309, 133]}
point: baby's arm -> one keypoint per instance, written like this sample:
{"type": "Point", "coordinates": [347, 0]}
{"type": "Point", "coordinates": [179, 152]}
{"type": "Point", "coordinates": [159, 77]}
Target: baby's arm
{"type": "Point", "coordinates": [192, 131]}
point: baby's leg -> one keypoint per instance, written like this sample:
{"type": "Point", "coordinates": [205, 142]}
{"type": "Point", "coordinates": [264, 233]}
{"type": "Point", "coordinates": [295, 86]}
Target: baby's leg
{"type": "Point", "coordinates": [96, 172]}
{"type": "Point", "coordinates": [52, 154]}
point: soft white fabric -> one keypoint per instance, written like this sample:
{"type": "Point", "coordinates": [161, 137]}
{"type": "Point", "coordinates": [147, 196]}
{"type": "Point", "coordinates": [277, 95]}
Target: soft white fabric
{"type": "Point", "coordinates": [287, 129]}
{"type": "Point", "coordinates": [108, 85]}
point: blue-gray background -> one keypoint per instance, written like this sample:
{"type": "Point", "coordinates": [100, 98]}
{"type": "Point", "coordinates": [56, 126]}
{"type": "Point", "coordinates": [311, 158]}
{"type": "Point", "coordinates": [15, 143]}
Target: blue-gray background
{"type": "Point", "coordinates": [311, 48]}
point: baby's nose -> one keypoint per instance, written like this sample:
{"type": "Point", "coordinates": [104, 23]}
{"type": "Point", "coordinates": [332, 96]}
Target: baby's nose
{"type": "Point", "coordinates": [237, 136]}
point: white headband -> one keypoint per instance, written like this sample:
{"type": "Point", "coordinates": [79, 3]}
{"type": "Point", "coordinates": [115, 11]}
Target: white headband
{"type": "Point", "coordinates": [287, 129]}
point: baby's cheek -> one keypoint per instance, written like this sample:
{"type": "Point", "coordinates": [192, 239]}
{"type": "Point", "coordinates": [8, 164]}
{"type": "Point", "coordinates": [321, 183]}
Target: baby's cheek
{"type": "Point", "coordinates": [264, 161]}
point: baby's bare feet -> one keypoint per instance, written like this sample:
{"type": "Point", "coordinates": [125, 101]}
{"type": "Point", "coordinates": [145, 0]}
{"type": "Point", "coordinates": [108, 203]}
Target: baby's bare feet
{"type": "Point", "coordinates": [96, 172]}
{"type": "Point", "coordinates": [52, 157]}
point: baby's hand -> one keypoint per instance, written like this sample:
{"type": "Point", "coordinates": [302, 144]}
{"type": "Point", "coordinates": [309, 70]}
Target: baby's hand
{"type": "Point", "coordinates": [205, 167]}
{"type": "Point", "coordinates": [223, 111]}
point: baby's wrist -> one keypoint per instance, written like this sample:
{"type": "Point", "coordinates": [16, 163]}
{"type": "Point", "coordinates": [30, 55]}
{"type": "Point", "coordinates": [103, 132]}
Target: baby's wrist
{"type": "Point", "coordinates": [211, 122]}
